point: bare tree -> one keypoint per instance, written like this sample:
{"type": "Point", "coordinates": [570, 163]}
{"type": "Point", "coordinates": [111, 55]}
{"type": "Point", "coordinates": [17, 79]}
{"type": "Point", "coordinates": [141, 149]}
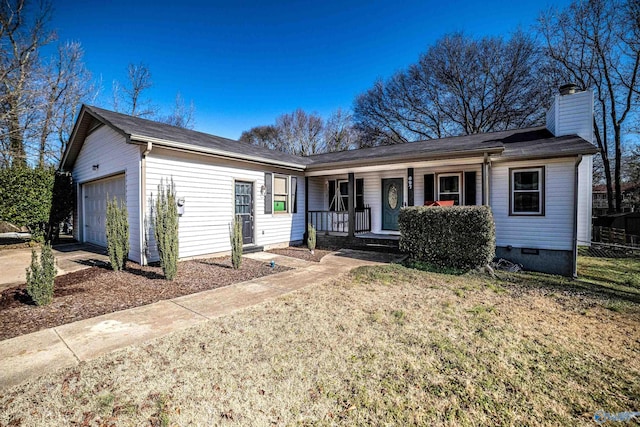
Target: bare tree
{"type": "Point", "coordinates": [65, 84]}
{"type": "Point", "coordinates": [459, 86]}
{"type": "Point", "coordinates": [22, 32]}
{"type": "Point", "coordinates": [596, 44]}
{"type": "Point", "coordinates": [300, 133]}
{"type": "Point", "coordinates": [339, 133]}
{"type": "Point", "coordinates": [129, 98]}
{"type": "Point", "coordinates": [182, 115]}
{"type": "Point", "coordinates": [262, 136]}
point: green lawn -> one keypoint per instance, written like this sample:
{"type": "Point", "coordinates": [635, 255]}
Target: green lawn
{"type": "Point", "coordinates": [382, 346]}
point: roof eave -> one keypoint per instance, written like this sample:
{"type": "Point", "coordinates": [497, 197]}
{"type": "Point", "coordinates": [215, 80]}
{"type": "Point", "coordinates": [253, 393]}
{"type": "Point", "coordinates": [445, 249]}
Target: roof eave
{"type": "Point", "coordinates": [403, 158]}
{"type": "Point", "coordinates": [142, 139]}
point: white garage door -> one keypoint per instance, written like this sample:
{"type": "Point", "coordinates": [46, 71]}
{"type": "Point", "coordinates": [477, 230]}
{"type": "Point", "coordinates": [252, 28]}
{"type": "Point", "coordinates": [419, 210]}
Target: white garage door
{"type": "Point", "coordinates": [95, 206]}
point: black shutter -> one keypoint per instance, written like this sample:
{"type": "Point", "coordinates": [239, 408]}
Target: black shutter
{"type": "Point", "coordinates": [359, 194]}
{"type": "Point", "coordinates": [470, 188]}
{"type": "Point", "coordinates": [294, 194]}
{"type": "Point", "coordinates": [332, 195]}
{"type": "Point", "coordinates": [429, 188]}
{"type": "Point", "coordinates": [268, 196]}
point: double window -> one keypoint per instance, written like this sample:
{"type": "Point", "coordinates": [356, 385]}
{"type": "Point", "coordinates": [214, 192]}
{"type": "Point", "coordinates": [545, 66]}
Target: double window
{"type": "Point", "coordinates": [449, 187]}
{"type": "Point", "coordinates": [527, 191]}
{"type": "Point", "coordinates": [280, 193]}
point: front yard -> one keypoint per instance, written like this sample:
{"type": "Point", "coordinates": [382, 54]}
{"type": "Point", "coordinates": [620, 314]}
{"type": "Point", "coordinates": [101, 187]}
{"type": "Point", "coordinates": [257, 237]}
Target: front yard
{"type": "Point", "coordinates": [384, 345]}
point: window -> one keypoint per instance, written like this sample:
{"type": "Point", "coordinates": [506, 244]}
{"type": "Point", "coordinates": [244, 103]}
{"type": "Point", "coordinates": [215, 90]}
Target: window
{"type": "Point", "coordinates": [339, 195]}
{"type": "Point", "coordinates": [449, 187]}
{"type": "Point", "coordinates": [281, 193]}
{"type": "Point", "coordinates": [527, 191]}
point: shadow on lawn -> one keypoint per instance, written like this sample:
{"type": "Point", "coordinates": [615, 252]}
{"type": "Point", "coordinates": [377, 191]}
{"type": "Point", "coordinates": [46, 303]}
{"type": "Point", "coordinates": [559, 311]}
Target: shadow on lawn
{"type": "Point", "coordinates": [603, 278]}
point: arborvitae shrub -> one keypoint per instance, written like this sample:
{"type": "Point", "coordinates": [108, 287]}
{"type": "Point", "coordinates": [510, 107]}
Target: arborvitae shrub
{"type": "Point", "coordinates": [459, 237]}
{"type": "Point", "coordinates": [311, 237]}
{"type": "Point", "coordinates": [165, 223]}
{"type": "Point", "coordinates": [41, 275]}
{"type": "Point", "coordinates": [117, 234]}
{"type": "Point", "coordinates": [236, 242]}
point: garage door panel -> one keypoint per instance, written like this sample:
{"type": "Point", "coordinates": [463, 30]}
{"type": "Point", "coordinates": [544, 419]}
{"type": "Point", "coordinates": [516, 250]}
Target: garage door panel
{"type": "Point", "coordinates": [95, 206]}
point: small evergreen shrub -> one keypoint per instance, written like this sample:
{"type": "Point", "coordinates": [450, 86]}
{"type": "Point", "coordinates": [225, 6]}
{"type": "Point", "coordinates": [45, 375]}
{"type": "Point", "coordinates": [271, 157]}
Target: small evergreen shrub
{"type": "Point", "coordinates": [165, 222]}
{"type": "Point", "coordinates": [41, 275]}
{"type": "Point", "coordinates": [456, 237]}
{"type": "Point", "coordinates": [117, 233]}
{"type": "Point", "coordinates": [311, 237]}
{"type": "Point", "coordinates": [236, 242]}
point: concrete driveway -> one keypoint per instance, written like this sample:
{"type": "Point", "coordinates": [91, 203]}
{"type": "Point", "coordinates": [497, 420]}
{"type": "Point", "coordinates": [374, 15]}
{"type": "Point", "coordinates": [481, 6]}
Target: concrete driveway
{"type": "Point", "coordinates": [69, 257]}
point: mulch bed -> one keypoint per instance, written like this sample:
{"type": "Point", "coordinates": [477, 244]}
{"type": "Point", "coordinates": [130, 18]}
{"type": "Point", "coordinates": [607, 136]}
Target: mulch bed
{"type": "Point", "coordinates": [302, 252]}
{"type": "Point", "coordinates": [99, 290]}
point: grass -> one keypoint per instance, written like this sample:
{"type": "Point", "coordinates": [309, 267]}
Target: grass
{"type": "Point", "coordinates": [384, 345]}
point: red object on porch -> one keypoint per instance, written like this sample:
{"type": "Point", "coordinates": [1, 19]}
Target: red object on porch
{"type": "Point", "coordinates": [439, 203]}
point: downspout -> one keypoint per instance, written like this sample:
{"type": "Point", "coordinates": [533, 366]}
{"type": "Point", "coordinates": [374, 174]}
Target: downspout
{"type": "Point", "coordinates": [575, 217]}
{"type": "Point", "coordinates": [143, 203]}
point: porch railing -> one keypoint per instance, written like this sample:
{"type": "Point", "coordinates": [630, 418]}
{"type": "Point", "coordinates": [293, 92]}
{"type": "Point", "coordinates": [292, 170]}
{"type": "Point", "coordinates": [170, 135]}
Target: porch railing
{"type": "Point", "coordinates": [338, 221]}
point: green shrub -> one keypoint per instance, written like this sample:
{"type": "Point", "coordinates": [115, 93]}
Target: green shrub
{"type": "Point", "coordinates": [166, 228]}
{"type": "Point", "coordinates": [236, 242]}
{"type": "Point", "coordinates": [117, 233]}
{"type": "Point", "coordinates": [41, 275]}
{"type": "Point", "coordinates": [25, 195]}
{"type": "Point", "coordinates": [311, 237]}
{"type": "Point", "coordinates": [62, 203]}
{"type": "Point", "coordinates": [457, 237]}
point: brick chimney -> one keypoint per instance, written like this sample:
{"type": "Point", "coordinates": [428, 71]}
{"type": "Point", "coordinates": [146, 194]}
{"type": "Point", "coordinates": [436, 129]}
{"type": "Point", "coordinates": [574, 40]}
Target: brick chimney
{"type": "Point", "coordinates": [571, 112]}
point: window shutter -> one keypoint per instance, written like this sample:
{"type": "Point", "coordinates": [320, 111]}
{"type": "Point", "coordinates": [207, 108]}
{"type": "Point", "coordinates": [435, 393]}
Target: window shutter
{"type": "Point", "coordinates": [470, 188]}
{"type": "Point", "coordinates": [268, 194]}
{"type": "Point", "coordinates": [332, 195]}
{"type": "Point", "coordinates": [429, 188]}
{"type": "Point", "coordinates": [294, 194]}
{"type": "Point", "coordinates": [359, 194]}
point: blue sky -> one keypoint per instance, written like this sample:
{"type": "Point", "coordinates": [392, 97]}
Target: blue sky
{"type": "Point", "coordinates": [244, 63]}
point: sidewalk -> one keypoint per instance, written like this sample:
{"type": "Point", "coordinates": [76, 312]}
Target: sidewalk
{"type": "Point", "coordinates": [27, 356]}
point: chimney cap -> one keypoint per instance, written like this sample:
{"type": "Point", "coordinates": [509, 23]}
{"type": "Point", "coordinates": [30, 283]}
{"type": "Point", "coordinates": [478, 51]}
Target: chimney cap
{"type": "Point", "coordinates": [568, 89]}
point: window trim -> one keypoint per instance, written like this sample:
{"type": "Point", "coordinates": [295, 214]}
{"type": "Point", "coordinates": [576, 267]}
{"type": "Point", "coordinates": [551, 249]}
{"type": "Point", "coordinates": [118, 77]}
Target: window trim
{"type": "Point", "coordinates": [287, 194]}
{"type": "Point", "coordinates": [460, 185]}
{"type": "Point", "coordinates": [541, 190]}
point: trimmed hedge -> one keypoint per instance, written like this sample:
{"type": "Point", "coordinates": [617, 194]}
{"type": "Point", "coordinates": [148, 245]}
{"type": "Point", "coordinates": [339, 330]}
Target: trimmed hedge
{"type": "Point", "coordinates": [461, 237]}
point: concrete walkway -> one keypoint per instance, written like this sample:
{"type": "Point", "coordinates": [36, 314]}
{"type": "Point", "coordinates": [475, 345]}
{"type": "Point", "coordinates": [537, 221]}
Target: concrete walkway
{"type": "Point", "coordinates": [69, 257]}
{"type": "Point", "coordinates": [26, 356]}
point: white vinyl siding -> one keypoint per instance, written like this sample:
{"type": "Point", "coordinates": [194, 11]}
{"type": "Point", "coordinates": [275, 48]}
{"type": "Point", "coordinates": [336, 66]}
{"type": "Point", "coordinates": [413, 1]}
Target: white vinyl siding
{"type": "Point", "coordinates": [207, 186]}
{"type": "Point", "coordinates": [585, 200]}
{"type": "Point", "coordinates": [572, 115]}
{"type": "Point", "coordinates": [554, 230]}
{"type": "Point", "coordinates": [109, 150]}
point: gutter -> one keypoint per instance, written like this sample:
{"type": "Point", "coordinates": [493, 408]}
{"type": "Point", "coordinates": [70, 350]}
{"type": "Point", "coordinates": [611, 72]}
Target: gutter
{"type": "Point", "coordinates": [211, 151]}
{"type": "Point", "coordinates": [575, 217]}
{"type": "Point", "coordinates": [143, 202]}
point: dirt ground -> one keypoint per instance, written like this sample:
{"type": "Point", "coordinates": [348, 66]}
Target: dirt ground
{"type": "Point", "coordinates": [302, 252]}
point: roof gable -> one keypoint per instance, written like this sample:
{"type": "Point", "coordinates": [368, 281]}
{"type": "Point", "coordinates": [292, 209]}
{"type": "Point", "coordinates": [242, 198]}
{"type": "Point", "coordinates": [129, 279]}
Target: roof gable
{"type": "Point", "coordinates": [535, 142]}
{"type": "Point", "coordinates": [139, 130]}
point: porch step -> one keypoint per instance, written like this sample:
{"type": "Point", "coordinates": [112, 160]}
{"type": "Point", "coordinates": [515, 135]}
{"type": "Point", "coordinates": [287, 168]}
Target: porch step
{"type": "Point", "coordinates": [250, 249]}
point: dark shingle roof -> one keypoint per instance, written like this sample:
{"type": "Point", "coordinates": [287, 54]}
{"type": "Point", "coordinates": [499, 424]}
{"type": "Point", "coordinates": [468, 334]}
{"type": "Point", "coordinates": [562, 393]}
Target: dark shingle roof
{"type": "Point", "coordinates": [535, 142]}
{"type": "Point", "coordinates": [140, 128]}
{"type": "Point", "coordinates": [528, 143]}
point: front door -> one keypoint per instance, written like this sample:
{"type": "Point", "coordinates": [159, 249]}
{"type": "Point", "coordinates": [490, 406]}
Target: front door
{"type": "Point", "coordinates": [244, 209]}
{"type": "Point", "coordinates": [392, 200]}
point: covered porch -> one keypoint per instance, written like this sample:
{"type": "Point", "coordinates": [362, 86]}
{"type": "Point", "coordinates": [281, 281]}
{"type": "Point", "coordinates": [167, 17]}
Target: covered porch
{"type": "Point", "coordinates": [364, 201]}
